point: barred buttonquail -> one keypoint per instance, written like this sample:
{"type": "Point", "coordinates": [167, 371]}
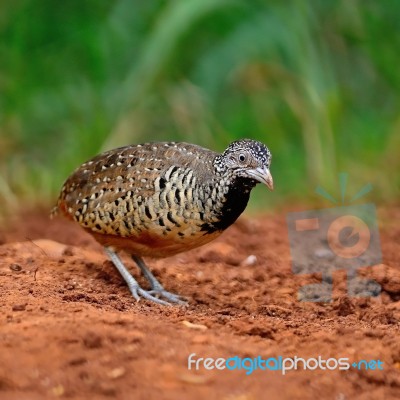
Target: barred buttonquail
{"type": "Point", "coordinates": [159, 199]}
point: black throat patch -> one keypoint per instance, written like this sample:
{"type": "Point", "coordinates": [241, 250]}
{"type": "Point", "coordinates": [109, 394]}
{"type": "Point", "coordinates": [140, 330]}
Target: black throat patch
{"type": "Point", "coordinates": [236, 201]}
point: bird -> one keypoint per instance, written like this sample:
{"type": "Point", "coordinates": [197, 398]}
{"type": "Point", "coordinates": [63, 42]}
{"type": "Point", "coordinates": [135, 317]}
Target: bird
{"type": "Point", "coordinates": [159, 199]}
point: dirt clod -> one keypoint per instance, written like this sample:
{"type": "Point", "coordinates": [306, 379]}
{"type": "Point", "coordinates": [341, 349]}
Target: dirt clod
{"type": "Point", "coordinates": [19, 307]}
{"type": "Point", "coordinates": [92, 341]}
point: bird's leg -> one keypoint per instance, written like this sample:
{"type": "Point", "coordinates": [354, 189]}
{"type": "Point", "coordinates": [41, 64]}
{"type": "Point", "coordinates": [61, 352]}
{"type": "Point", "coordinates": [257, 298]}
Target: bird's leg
{"type": "Point", "coordinates": [156, 287]}
{"type": "Point", "coordinates": [133, 285]}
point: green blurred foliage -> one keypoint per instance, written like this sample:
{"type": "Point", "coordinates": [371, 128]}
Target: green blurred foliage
{"type": "Point", "coordinates": [317, 81]}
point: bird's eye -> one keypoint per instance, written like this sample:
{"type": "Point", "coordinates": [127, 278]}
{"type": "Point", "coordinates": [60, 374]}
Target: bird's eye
{"type": "Point", "coordinates": [242, 157]}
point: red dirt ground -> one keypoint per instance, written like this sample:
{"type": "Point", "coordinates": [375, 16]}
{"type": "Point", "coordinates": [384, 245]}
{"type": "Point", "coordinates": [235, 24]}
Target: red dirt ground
{"type": "Point", "coordinates": [70, 328]}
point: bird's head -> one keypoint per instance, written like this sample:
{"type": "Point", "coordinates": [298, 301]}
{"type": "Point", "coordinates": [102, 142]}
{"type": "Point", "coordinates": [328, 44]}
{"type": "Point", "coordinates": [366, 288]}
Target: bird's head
{"type": "Point", "coordinates": [247, 159]}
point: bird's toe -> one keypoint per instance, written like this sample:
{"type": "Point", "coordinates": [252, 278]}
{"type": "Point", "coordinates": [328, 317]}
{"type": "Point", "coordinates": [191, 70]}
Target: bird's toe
{"type": "Point", "coordinates": [171, 297]}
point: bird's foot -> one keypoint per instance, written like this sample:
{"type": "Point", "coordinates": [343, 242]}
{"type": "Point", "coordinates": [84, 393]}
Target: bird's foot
{"type": "Point", "coordinates": [173, 298]}
{"type": "Point", "coordinates": [155, 295]}
{"type": "Point", "coordinates": [156, 291]}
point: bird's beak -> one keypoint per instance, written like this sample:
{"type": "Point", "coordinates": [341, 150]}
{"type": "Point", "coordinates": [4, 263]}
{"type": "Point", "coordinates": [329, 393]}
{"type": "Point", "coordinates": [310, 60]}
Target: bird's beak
{"type": "Point", "coordinates": [262, 175]}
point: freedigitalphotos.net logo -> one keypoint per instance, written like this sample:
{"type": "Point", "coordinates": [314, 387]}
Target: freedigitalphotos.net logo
{"type": "Point", "coordinates": [345, 237]}
{"type": "Point", "coordinates": [283, 364]}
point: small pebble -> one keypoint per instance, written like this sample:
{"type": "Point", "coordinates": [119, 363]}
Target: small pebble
{"type": "Point", "coordinates": [249, 261]}
{"type": "Point", "coordinates": [323, 253]}
{"type": "Point", "coordinates": [15, 267]}
{"type": "Point", "coordinates": [58, 390]}
{"type": "Point", "coordinates": [116, 373]}
{"type": "Point", "coordinates": [194, 326]}
{"type": "Point", "coordinates": [193, 379]}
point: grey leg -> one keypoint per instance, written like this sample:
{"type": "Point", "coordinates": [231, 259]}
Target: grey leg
{"type": "Point", "coordinates": [156, 287]}
{"type": "Point", "coordinates": [133, 285]}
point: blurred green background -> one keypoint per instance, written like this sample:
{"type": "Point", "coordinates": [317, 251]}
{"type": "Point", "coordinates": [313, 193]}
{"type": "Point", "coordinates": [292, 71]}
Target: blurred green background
{"type": "Point", "coordinates": [317, 81]}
